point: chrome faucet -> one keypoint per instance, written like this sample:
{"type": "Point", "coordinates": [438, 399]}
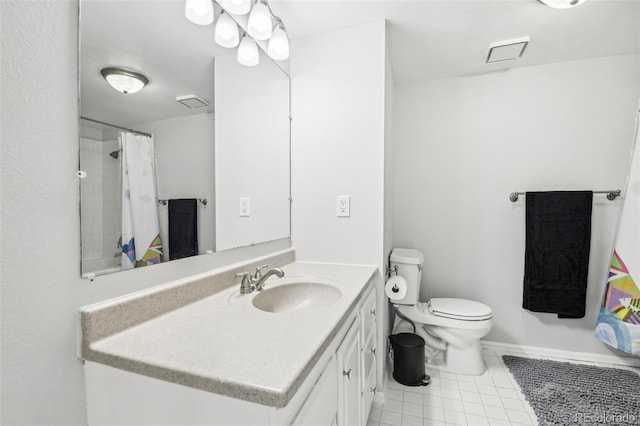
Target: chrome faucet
{"type": "Point", "coordinates": [256, 281]}
{"type": "Point", "coordinates": [259, 279]}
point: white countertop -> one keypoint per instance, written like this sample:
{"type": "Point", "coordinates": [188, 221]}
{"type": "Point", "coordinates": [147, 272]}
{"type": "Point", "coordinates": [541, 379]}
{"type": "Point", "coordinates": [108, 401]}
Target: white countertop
{"type": "Point", "coordinates": [222, 344]}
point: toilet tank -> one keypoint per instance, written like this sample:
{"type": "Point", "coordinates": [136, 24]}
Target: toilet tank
{"type": "Point", "coordinates": [409, 263]}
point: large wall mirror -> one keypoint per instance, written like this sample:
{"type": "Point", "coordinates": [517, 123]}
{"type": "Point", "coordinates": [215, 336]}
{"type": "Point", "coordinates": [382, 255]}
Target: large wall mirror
{"type": "Point", "coordinates": [196, 161]}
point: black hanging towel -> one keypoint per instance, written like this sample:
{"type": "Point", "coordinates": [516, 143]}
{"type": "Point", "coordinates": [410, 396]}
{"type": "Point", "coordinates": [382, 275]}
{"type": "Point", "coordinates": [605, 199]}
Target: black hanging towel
{"type": "Point", "coordinates": [556, 259]}
{"type": "Point", "coordinates": [183, 228]}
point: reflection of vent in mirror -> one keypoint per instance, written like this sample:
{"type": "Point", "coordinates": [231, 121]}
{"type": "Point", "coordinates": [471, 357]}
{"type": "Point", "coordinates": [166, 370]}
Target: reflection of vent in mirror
{"type": "Point", "coordinates": [507, 50]}
{"type": "Point", "coordinates": [193, 101]}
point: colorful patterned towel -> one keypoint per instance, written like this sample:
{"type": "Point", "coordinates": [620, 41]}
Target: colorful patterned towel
{"type": "Point", "coordinates": [619, 319]}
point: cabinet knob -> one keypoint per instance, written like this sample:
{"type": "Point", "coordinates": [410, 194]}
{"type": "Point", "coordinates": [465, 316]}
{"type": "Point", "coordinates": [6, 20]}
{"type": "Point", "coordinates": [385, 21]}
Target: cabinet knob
{"type": "Point", "coordinates": [347, 373]}
{"type": "Point", "coordinates": [373, 389]}
{"type": "Point", "coordinates": [373, 351]}
{"type": "Point", "coordinates": [373, 312]}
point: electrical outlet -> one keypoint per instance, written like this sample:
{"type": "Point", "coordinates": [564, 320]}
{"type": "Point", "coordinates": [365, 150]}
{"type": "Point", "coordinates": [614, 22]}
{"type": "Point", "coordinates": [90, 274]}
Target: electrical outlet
{"type": "Point", "coordinates": [343, 206]}
{"type": "Point", "coordinates": [245, 207]}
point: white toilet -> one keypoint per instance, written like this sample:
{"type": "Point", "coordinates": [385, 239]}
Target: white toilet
{"type": "Point", "coordinates": [451, 328]}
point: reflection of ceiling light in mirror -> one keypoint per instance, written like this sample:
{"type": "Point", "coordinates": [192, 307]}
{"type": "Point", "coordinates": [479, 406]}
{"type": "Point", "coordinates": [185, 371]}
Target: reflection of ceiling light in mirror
{"type": "Point", "coordinates": [278, 44]}
{"type": "Point", "coordinates": [124, 81]}
{"type": "Point", "coordinates": [561, 4]}
{"type": "Point", "coordinates": [248, 52]}
{"type": "Point", "coordinates": [259, 26]}
{"type": "Point", "coordinates": [227, 34]}
{"type": "Point", "coordinates": [237, 7]}
{"type": "Point", "coordinates": [199, 11]}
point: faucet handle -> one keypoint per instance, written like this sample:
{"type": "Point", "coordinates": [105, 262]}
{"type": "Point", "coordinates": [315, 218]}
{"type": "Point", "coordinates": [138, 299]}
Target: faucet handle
{"type": "Point", "coordinates": [259, 270]}
{"type": "Point", "coordinates": [245, 285]}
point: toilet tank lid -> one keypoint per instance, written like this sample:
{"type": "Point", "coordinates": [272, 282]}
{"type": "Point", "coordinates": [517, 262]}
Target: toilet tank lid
{"type": "Point", "coordinates": [408, 256]}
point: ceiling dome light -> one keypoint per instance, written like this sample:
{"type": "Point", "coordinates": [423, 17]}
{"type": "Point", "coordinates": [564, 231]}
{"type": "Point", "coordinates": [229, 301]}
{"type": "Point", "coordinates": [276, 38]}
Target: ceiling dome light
{"type": "Point", "coordinates": [248, 52]}
{"type": "Point", "coordinates": [237, 7]}
{"type": "Point", "coordinates": [227, 34]}
{"type": "Point", "coordinates": [260, 22]}
{"type": "Point", "coordinates": [278, 44]}
{"type": "Point", "coordinates": [124, 81]}
{"type": "Point", "coordinates": [199, 11]}
{"type": "Point", "coordinates": [562, 4]}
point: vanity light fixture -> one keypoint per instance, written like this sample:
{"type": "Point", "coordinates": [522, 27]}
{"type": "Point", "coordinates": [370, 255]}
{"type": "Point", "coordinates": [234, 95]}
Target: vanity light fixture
{"type": "Point", "coordinates": [260, 26]}
{"type": "Point", "coordinates": [248, 54]}
{"type": "Point", "coordinates": [278, 47]}
{"type": "Point", "coordinates": [227, 34]}
{"type": "Point", "coordinates": [199, 11]}
{"type": "Point", "coordinates": [562, 4]}
{"type": "Point", "coordinates": [123, 80]}
{"type": "Point", "coordinates": [237, 7]}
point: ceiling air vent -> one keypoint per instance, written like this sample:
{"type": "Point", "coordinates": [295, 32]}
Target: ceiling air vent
{"type": "Point", "coordinates": [507, 50]}
{"type": "Point", "coordinates": [193, 101]}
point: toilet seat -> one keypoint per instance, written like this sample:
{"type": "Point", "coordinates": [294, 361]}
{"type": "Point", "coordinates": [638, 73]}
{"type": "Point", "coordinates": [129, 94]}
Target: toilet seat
{"type": "Point", "coordinates": [459, 309]}
{"type": "Point", "coordinates": [423, 314]}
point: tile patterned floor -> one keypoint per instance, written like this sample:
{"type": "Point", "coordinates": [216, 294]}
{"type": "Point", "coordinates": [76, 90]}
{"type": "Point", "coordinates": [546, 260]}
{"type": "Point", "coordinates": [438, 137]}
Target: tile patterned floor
{"type": "Point", "coordinates": [492, 399]}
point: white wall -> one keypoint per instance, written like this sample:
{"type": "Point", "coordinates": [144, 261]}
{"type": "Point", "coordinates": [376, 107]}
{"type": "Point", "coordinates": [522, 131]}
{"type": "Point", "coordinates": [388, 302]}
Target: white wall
{"type": "Point", "coordinates": [338, 148]}
{"type": "Point", "coordinates": [41, 291]}
{"type": "Point", "coordinates": [252, 151]}
{"type": "Point", "coordinates": [463, 144]}
{"type": "Point", "coordinates": [385, 307]}
{"type": "Point", "coordinates": [338, 107]}
{"type": "Point", "coordinates": [185, 160]}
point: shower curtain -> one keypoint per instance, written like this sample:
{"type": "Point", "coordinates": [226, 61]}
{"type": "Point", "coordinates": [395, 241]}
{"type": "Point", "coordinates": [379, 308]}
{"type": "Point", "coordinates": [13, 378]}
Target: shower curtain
{"type": "Point", "coordinates": [141, 244]}
{"type": "Point", "coordinates": [619, 320]}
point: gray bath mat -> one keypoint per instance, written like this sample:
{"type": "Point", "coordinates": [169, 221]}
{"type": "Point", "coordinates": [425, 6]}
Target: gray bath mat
{"type": "Point", "coordinates": [562, 393]}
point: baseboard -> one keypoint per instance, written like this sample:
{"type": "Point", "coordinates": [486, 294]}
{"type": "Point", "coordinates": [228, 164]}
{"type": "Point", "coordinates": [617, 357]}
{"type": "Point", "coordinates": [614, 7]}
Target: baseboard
{"type": "Point", "coordinates": [535, 351]}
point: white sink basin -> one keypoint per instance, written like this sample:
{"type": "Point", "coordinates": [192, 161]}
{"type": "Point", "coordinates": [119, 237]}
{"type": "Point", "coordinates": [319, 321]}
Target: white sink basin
{"type": "Point", "coordinates": [295, 296]}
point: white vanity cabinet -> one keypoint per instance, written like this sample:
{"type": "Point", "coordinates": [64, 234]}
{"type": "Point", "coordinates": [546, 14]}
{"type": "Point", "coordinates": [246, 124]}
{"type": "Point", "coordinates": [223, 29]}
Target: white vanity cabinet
{"type": "Point", "coordinates": [349, 373]}
{"type": "Point", "coordinates": [368, 353]}
{"type": "Point", "coordinates": [337, 391]}
{"type": "Point", "coordinates": [357, 366]}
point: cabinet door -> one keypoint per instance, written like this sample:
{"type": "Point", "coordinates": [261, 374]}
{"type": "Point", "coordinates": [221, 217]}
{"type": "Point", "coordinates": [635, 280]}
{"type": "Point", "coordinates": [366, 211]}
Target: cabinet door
{"type": "Point", "coordinates": [349, 373]}
{"type": "Point", "coordinates": [321, 406]}
{"type": "Point", "coordinates": [369, 353]}
{"type": "Point", "coordinates": [368, 314]}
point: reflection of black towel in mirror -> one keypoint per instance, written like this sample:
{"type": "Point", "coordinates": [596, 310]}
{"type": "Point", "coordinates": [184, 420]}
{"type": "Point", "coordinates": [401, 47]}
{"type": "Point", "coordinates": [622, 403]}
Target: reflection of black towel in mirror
{"type": "Point", "coordinates": [183, 228]}
{"type": "Point", "coordinates": [558, 238]}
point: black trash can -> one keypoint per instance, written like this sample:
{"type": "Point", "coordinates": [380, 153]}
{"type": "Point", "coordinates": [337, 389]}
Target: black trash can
{"type": "Point", "coordinates": [408, 359]}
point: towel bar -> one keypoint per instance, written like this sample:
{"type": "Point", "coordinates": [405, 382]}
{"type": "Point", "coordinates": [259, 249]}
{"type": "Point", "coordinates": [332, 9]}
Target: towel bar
{"type": "Point", "coordinates": [202, 201]}
{"type": "Point", "coordinates": [611, 195]}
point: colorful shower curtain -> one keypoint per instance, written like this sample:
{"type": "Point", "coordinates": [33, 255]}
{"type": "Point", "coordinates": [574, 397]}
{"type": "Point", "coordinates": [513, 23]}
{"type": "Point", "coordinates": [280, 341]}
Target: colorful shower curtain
{"type": "Point", "coordinates": [141, 244]}
{"type": "Point", "coordinates": [619, 319]}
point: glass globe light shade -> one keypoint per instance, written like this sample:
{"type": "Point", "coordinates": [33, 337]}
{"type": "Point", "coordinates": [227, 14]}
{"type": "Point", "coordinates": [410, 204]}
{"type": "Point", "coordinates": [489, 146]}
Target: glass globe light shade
{"type": "Point", "coordinates": [237, 7]}
{"type": "Point", "coordinates": [199, 11]}
{"type": "Point", "coordinates": [248, 52]}
{"type": "Point", "coordinates": [227, 34]}
{"type": "Point", "coordinates": [259, 26]}
{"type": "Point", "coordinates": [278, 47]}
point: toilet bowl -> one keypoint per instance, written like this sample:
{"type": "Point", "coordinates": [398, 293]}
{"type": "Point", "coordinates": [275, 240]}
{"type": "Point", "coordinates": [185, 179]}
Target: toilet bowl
{"type": "Point", "coordinates": [452, 328]}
